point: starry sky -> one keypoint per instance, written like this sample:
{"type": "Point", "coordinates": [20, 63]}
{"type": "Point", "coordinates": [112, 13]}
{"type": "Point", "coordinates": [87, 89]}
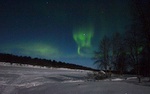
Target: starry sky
{"type": "Point", "coordinates": [61, 30]}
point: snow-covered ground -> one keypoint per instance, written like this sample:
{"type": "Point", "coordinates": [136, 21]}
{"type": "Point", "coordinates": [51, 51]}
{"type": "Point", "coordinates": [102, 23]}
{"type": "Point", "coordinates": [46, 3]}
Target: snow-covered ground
{"type": "Point", "coordinates": [36, 80]}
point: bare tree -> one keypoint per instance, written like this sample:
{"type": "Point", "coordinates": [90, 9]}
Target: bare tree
{"type": "Point", "coordinates": [139, 36]}
{"type": "Point", "coordinates": [118, 53]}
{"type": "Point", "coordinates": [143, 15]}
{"type": "Point", "coordinates": [134, 44]}
{"type": "Point", "coordinates": [101, 56]}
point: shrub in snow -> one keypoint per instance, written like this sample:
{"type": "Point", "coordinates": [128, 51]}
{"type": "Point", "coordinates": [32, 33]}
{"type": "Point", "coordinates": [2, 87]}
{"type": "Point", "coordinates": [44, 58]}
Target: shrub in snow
{"type": "Point", "coordinates": [97, 75]}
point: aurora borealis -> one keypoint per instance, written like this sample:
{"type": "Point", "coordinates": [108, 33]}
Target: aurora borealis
{"type": "Point", "coordinates": [61, 30]}
{"type": "Point", "coordinates": [82, 37]}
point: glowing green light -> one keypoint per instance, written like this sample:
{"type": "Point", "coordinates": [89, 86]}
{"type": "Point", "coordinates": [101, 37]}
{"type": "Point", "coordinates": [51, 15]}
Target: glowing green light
{"type": "Point", "coordinates": [82, 37]}
{"type": "Point", "coordinates": [140, 49]}
{"type": "Point", "coordinates": [38, 50]}
{"type": "Point", "coordinates": [34, 49]}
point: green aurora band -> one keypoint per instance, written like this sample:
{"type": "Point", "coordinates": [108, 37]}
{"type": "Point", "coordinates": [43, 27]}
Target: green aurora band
{"type": "Point", "coordinates": [34, 49]}
{"type": "Point", "coordinates": [83, 37]}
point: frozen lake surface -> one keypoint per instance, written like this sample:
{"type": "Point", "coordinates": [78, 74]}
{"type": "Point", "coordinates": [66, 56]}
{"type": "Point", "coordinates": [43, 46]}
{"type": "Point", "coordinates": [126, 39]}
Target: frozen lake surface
{"type": "Point", "coordinates": [28, 80]}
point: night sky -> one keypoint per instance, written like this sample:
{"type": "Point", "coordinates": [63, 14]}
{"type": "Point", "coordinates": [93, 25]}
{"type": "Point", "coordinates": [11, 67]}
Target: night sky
{"type": "Point", "coordinates": [61, 30]}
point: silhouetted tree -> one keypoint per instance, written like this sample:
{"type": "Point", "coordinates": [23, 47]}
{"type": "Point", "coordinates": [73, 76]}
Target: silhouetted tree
{"type": "Point", "coordinates": [134, 48]}
{"type": "Point", "coordinates": [102, 57]}
{"type": "Point", "coordinates": [118, 57]}
{"type": "Point", "coordinates": [139, 36]}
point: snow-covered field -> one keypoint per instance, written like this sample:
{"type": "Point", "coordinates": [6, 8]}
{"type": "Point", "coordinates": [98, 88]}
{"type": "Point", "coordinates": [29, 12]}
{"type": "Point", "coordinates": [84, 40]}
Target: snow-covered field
{"type": "Point", "coordinates": [35, 80]}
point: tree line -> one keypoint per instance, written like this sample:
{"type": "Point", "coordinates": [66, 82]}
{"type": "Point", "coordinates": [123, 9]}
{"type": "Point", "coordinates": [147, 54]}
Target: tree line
{"type": "Point", "coordinates": [21, 60]}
